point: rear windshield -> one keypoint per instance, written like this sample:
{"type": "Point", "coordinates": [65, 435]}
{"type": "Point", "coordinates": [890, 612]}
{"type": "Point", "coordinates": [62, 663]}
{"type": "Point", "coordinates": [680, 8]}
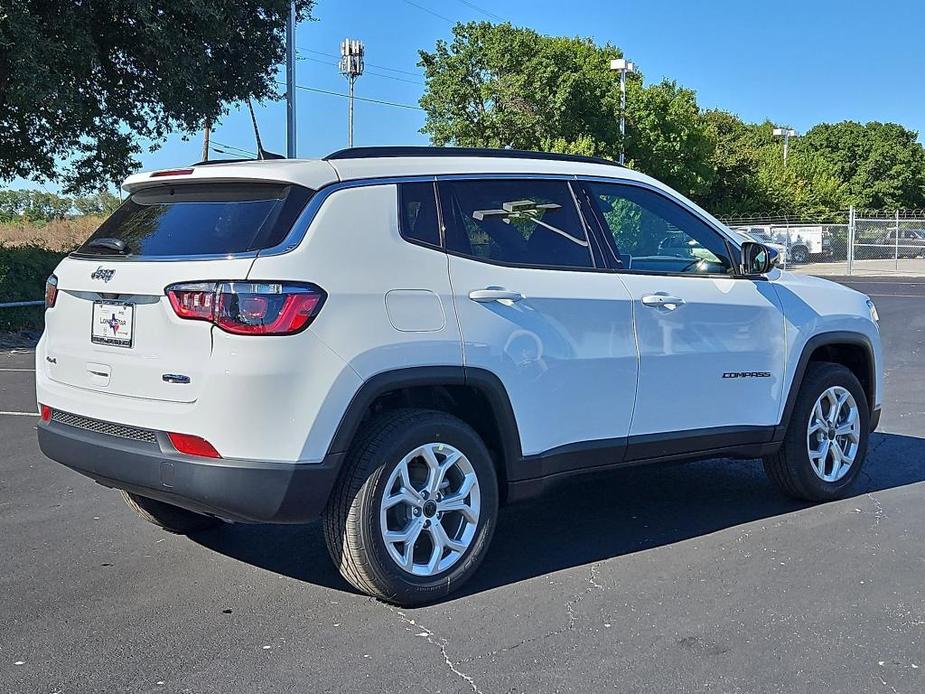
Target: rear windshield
{"type": "Point", "coordinates": [199, 219]}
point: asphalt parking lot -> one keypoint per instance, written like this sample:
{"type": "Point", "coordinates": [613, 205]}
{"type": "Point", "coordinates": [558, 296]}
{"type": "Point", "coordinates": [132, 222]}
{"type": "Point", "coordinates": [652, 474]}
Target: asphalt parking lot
{"type": "Point", "coordinates": [684, 578]}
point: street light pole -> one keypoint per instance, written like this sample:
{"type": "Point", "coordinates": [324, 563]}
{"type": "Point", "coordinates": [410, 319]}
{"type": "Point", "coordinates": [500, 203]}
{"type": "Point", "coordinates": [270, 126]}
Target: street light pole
{"type": "Point", "coordinates": [622, 66]}
{"type": "Point", "coordinates": [290, 84]}
{"type": "Point", "coordinates": [786, 133]}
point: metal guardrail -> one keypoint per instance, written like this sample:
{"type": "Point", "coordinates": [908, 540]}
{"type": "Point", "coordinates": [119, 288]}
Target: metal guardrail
{"type": "Point", "coordinates": [20, 304]}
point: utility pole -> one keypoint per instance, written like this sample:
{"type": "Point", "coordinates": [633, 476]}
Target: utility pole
{"type": "Point", "coordinates": [786, 133]}
{"type": "Point", "coordinates": [290, 83]}
{"type": "Point", "coordinates": [351, 67]}
{"type": "Point", "coordinates": [622, 66]}
{"type": "Point", "coordinates": [206, 136]}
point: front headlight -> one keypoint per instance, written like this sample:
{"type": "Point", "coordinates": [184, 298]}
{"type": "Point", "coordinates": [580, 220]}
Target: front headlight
{"type": "Point", "coordinates": [874, 316]}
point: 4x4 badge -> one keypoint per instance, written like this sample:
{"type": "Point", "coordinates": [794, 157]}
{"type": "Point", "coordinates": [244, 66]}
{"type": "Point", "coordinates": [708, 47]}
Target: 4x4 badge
{"type": "Point", "coordinates": [102, 274]}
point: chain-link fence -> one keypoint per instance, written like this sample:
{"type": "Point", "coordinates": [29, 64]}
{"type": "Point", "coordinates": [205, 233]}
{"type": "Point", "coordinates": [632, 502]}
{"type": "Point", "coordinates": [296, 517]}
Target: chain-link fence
{"type": "Point", "coordinates": [849, 242]}
{"type": "Point", "coordinates": [888, 244]}
{"type": "Point", "coordinates": [801, 243]}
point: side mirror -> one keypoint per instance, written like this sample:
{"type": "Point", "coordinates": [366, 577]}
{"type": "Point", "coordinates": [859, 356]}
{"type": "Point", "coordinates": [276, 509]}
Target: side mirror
{"type": "Point", "coordinates": [757, 259]}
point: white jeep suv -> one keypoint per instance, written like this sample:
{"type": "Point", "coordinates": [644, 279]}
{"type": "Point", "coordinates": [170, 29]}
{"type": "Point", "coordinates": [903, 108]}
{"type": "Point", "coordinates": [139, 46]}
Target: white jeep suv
{"type": "Point", "coordinates": [400, 340]}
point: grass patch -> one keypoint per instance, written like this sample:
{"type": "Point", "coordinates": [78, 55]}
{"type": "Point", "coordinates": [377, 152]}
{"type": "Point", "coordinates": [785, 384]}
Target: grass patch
{"type": "Point", "coordinates": [55, 235]}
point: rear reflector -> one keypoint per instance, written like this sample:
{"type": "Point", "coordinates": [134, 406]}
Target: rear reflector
{"type": "Point", "coordinates": [193, 445]}
{"type": "Point", "coordinates": [46, 412]}
{"type": "Point", "coordinates": [249, 308]}
{"type": "Point", "coordinates": [172, 172]}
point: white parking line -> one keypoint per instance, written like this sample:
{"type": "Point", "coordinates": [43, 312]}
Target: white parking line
{"type": "Point", "coordinates": [1, 369]}
{"type": "Point", "coordinates": [20, 414]}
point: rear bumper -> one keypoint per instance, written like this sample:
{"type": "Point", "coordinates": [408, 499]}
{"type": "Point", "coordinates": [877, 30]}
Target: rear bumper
{"type": "Point", "coordinates": [241, 490]}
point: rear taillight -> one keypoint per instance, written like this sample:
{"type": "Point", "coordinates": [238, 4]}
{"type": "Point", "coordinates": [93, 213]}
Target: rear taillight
{"type": "Point", "coordinates": [193, 445]}
{"type": "Point", "coordinates": [45, 411]}
{"type": "Point", "coordinates": [51, 291]}
{"type": "Point", "coordinates": [249, 308]}
{"type": "Point", "coordinates": [193, 301]}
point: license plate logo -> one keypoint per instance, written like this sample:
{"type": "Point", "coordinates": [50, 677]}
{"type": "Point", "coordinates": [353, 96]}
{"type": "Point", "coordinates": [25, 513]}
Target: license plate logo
{"type": "Point", "coordinates": [113, 324]}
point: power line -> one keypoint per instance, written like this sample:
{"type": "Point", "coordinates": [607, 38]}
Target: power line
{"type": "Point", "coordinates": [367, 72]}
{"type": "Point", "coordinates": [429, 11]}
{"type": "Point", "coordinates": [380, 67]}
{"type": "Point", "coordinates": [482, 10]}
{"type": "Point", "coordinates": [358, 98]}
{"type": "Point", "coordinates": [317, 60]}
{"type": "Point", "coordinates": [392, 77]}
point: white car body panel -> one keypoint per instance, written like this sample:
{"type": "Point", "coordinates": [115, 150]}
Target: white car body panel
{"type": "Point", "coordinates": [724, 326]}
{"type": "Point", "coordinates": [347, 251]}
{"type": "Point", "coordinates": [565, 353]}
{"type": "Point", "coordinates": [310, 173]}
{"type": "Point", "coordinates": [814, 306]}
{"type": "Point", "coordinates": [570, 354]}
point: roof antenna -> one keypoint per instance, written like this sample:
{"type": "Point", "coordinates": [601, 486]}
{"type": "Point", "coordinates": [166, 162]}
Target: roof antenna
{"type": "Point", "coordinates": [261, 152]}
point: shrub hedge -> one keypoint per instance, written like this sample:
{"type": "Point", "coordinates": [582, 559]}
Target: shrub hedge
{"type": "Point", "coordinates": [23, 271]}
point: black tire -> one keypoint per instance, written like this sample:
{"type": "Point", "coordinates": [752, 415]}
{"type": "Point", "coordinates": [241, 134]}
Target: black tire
{"type": "Point", "coordinates": [799, 254]}
{"type": "Point", "coordinates": [167, 516]}
{"type": "Point", "coordinates": [352, 519]}
{"type": "Point", "coordinates": [790, 468]}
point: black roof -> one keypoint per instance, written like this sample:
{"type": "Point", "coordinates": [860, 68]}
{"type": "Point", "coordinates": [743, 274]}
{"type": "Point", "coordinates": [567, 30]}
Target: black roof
{"type": "Point", "coordinates": [384, 152]}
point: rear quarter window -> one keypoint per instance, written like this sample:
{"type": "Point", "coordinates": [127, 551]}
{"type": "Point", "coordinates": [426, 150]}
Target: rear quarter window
{"type": "Point", "coordinates": [418, 213]}
{"type": "Point", "coordinates": [198, 219]}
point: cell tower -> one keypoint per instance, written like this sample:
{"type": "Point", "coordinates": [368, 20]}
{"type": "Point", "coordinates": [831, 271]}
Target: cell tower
{"type": "Point", "coordinates": [351, 67]}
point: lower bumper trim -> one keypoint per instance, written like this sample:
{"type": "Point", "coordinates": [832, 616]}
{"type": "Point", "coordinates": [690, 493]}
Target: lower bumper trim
{"type": "Point", "coordinates": [239, 490]}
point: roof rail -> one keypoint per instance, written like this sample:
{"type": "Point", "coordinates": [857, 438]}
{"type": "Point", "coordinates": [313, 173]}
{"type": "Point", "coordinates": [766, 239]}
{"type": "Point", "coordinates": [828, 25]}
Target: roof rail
{"type": "Point", "coordinates": [401, 151]}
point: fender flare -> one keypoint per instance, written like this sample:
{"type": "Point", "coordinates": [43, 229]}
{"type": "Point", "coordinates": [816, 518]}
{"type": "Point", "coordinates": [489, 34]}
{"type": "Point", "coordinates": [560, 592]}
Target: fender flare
{"type": "Point", "coordinates": [487, 383]}
{"type": "Point", "coordinates": [840, 337]}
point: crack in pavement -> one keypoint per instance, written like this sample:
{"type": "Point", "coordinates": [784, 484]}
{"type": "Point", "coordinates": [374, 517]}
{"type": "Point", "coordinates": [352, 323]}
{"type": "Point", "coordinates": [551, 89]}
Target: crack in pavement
{"type": "Point", "coordinates": [592, 577]}
{"type": "Point", "coordinates": [569, 626]}
{"type": "Point", "coordinates": [440, 643]}
{"type": "Point", "coordinates": [879, 513]}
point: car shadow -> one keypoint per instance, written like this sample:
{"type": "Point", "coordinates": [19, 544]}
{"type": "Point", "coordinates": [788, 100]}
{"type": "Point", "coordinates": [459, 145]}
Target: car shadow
{"type": "Point", "coordinates": [590, 518]}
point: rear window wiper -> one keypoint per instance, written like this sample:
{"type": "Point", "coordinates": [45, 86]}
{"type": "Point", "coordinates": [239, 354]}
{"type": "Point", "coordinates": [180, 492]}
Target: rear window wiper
{"type": "Point", "coordinates": [110, 244]}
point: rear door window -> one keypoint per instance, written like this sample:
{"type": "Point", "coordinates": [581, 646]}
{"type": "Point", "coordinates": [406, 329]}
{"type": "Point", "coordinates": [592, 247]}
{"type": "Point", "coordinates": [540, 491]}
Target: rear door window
{"type": "Point", "coordinates": [199, 219]}
{"type": "Point", "coordinates": [532, 223]}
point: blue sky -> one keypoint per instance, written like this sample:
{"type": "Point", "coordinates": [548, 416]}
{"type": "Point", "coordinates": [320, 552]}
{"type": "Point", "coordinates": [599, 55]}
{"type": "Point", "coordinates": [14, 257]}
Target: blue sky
{"type": "Point", "coordinates": [796, 63]}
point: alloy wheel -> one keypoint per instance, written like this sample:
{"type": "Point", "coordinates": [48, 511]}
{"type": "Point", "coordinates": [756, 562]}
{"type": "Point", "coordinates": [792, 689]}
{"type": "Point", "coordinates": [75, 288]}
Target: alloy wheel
{"type": "Point", "coordinates": [833, 434]}
{"type": "Point", "coordinates": [430, 509]}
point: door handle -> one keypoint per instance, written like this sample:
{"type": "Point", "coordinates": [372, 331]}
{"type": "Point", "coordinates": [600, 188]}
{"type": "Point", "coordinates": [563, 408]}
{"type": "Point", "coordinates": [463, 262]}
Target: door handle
{"type": "Point", "coordinates": [489, 294]}
{"type": "Point", "coordinates": [662, 300]}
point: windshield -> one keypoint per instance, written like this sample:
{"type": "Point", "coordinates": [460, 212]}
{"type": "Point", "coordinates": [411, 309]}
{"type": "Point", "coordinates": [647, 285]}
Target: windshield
{"type": "Point", "coordinates": [198, 219]}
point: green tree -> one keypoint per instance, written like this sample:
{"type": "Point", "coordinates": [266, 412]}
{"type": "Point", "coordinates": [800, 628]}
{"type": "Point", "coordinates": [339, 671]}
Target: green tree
{"type": "Point", "coordinates": [807, 187]}
{"type": "Point", "coordinates": [102, 203]}
{"type": "Point", "coordinates": [495, 85]}
{"type": "Point", "coordinates": [668, 137]}
{"type": "Point", "coordinates": [736, 160]}
{"type": "Point", "coordinates": [33, 206]}
{"type": "Point", "coordinates": [882, 164]}
{"type": "Point", "coordinates": [82, 83]}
